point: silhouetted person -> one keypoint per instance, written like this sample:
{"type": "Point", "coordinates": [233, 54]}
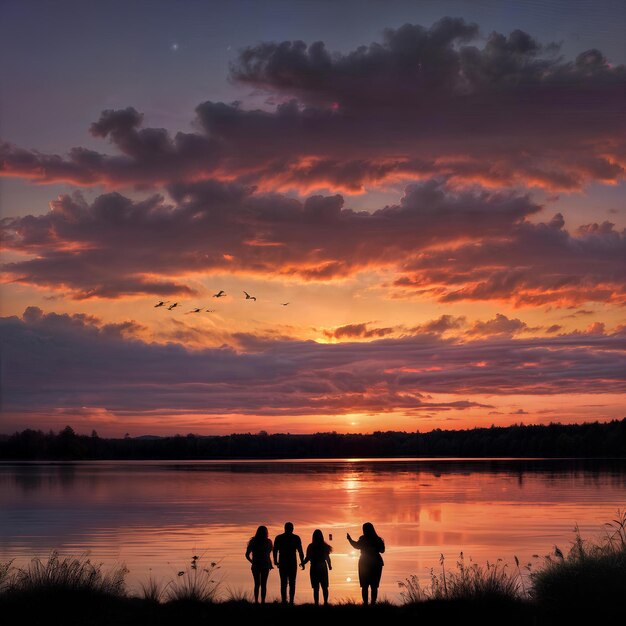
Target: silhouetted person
{"type": "Point", "coordinates": [260, 547]}
{"type": "Point", "coordinates": [318, 554]}
{"type": "Point", "coordinates": [370, 561]}
{"type": "Point", "coordinates": [285, 548]}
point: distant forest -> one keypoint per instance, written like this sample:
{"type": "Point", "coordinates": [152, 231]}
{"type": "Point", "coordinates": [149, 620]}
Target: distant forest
{"type": "Point", "coordinates": [605, 440]}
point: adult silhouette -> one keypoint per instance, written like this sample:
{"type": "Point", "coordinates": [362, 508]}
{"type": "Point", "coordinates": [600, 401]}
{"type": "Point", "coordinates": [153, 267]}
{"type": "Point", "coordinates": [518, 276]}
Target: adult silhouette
{"type": "Point", "coordinates": [370, 561]}
{"type": "Point", "coordinates": [318, 554]}
{"type": "Point", "coordinates": [285, 548]}
{"type": "Point", "coordinates": [259, 552]}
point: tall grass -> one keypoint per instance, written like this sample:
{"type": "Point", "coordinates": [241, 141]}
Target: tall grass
{"type": "Point", "coordinates": [591, 572]}
{"type": "Point", "coordinates": [195, 583]}
{"type": "Point", "coordinates": [6, 570]}
{"type": "Point", "coordinates": [237, 595]}
{"type": "Point", "coordinates": [153, 590]}
{"type": "Point", "coordinates": [492, 582]}
{"type": "Point", "coordinates": [79, 575]}
{"type": "Point", "coordinates": [68, 574]}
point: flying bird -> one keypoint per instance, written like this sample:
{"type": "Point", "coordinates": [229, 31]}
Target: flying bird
{"type": "Point", "coordinates": [219, 294]}
{"type": "Point", "coordinates": [172, 306]}
{"type": "Point", "coordinates": [249, 297]}
{"type": "Point", "coordinates": [210, 310]}
{"type": "Point", "coordinates": [161, 303]}
{"type": "Point", "coordinates": [284, 303]}
{"type": "Point", "coordinates": [195, 310]}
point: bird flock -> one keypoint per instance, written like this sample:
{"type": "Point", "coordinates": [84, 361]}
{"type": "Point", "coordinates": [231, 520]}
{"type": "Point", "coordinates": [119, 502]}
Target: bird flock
{"type": "Point", "coordinates": [220, 294]}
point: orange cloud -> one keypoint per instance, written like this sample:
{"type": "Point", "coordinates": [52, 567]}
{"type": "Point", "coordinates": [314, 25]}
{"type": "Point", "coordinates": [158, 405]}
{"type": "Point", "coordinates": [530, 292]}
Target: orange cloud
{"type": "Point", "coordinates": [116, 247]}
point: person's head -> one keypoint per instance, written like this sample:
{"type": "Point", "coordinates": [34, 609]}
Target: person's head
{"type": "Point", "coordinates": [261, 533]}
{"type": "Point", "coordinates": [318, 539]}
{"type": "Point", "coordinates": [288, 528]}
{"type": "Point", "coordinates": [368, 530]}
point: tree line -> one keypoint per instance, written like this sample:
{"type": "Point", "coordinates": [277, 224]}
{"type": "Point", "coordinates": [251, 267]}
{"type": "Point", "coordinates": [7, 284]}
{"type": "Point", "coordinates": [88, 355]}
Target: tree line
{"type": "Point", "coordinates": [596, 439]}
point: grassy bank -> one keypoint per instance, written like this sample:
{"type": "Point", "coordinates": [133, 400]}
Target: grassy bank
{"type": "Point", "coordinates": [586, 582]}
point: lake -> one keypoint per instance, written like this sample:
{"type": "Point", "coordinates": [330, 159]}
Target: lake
{"type": "Point", "coordinates": [153, 516]}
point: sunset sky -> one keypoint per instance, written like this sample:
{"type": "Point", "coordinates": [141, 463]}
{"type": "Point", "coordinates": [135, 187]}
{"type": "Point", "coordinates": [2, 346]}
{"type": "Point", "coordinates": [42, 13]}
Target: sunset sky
{"type": "Point", "coordinates": [437, 189]}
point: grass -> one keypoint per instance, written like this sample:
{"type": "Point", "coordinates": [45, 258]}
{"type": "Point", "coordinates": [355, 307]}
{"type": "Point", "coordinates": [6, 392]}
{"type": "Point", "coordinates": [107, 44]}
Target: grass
{"type": "Point", "coordinates": [5, 576]}
{"type": "Point", "coordinates": [195, 583]}
{"type": "Point", "coordinates": [68, 574]}
{"type": "Point", "coordinates": [592, 573]}
{"type": "Point", "coordinates": [237, 595]}
{"type": "Point", "coordinates": [466, 582]}
{"type": "Point", "coordinates": [589, 580]}
{"type": "Point", "coordinates": [153, 590]}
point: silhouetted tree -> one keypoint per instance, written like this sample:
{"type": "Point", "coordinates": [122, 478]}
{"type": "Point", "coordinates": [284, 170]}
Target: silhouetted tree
{"type": "Point", "coordinates": [595, 439]}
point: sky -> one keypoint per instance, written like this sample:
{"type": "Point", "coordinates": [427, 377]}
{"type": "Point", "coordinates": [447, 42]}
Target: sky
{"type": "Point", "coordinates": [424, 200]}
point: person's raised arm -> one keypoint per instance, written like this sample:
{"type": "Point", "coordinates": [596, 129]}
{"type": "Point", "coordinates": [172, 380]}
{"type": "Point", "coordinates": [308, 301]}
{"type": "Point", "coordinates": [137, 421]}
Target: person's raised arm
{"type": "Point", "coordinates": [354, 544]}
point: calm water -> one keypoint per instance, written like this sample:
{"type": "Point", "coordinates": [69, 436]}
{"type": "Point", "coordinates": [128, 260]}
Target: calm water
{"type": "Point", "coordinates": [154, 516]}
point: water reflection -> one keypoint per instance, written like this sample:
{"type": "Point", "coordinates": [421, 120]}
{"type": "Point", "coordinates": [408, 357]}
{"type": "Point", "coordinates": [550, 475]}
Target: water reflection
{"type": "Point", "coordinates": [154, 516]}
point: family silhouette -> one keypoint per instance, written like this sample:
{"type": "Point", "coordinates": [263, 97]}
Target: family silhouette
{"type": "Point", "coordinates": [286, 549]}
{"type": "Point", "coordinates": [370, 561]}
{"type": "Point", "coordinates": [318, 555]}
{"type": "Point", "coordinates": [259, 554]}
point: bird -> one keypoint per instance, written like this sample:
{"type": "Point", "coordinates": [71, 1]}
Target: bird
{"type": "Point", "coordinates": [195, 310]}
{"type": "Point", "coordinates": [172, 306]}
{"type": "Point", "coordinates": [161, 303]}
{"type": "Point", "coordinates": [210, 310]}
{"type": "Point", "coordinates": [219, 294]}
{"type": "Point", "coordinates": [249, 297]}
{"type": "Point", "coordinates": [284, 303]}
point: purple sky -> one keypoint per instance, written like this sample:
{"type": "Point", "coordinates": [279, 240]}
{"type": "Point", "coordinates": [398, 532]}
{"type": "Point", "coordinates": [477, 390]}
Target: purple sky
{"type": "Point", "coordinates": [435, 188]}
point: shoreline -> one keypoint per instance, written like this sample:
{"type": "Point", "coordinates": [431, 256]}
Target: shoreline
{"type": "Point", "coordinates": [304, 460]}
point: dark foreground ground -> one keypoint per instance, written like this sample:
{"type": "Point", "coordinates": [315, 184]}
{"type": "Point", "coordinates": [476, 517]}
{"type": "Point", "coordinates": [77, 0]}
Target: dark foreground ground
{"type": "Point", "coordinates": [91, 610]}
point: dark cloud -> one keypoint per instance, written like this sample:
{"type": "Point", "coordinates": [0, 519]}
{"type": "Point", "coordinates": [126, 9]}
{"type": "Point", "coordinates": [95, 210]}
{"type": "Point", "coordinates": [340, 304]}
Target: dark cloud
{"type": "Point", "coordinates": [534, 264]}
{"type": "Point", "coordinates": [442, 324]}
{"type": "Point", "coordinates": [502, 111]}
{"type": "Point", "coordinates": [358, 331]}
{"type": "Point", "coordinates": [116, 246]}
{"type": "Point", "coordinates": [410, 64]}
{"type": "Point", "coordinates": [554, 328]}
{"type": "Point", "coordinates": [499, 325]}
{"type": "Point", "coordinates": [149, 156]}
{"type": "Point", "coordinates": [456, 328]}
{"type": "Point", "coordinates": [579, 313]}
{"type": "Point", "coordinates": [67, 362]}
